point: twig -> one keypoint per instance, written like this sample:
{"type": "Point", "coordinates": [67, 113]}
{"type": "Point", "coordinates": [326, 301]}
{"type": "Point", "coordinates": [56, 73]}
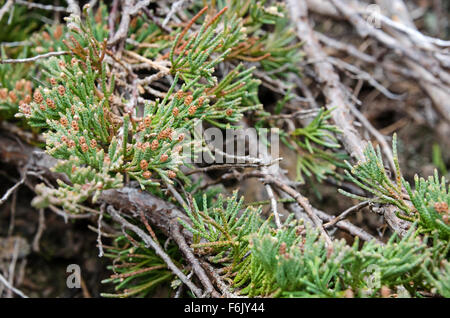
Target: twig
{"type": "Point", "coordinates": [300, 114]}
{"type": "Point", "coordinates": [12, 189]}
{"type": "Point", "coordinates": [331, 89]}
{"type": "Point", "coordinates": [155, 20]}
{"type": "Point", "coordinates": [47, 7]}
{"type": "Point", "coordinates": [306, 92]}
{"type": "Point", "coordinates": [364, 76]}
{"type": "Point", "coordinates": [139, 271]}
{"type": "Point", "coordinates": [173, 9]}
{"type": "Point", "coordinates": [281, 88]}
{"type": "Point", "coordinates": [439, 95]}
{"type": "Point", "coordinates": [153, 64]}
{"type": "Point", "coordinates": [273, 201]}
{"type": "Point", "coordinates": [349, 227]}
{"type": "Point", "coordinates": [343, 225]}
{"type": "Point", "coordinates": [346, 47]}
{"type": "Point", "coordinates": [99, 229]}
{"type": "Point", "coordinates": [378, 136]}
{"type": "Point", "coordinates": [12, 218]}
{"type": "Point", "coordinates": [9, 286]}
{"type": "Point", "coordinates": [12, 267]}
{"type": "Point", "coordinates": [236, 158]}
{"type": "Point", "coordinates": [303, 202]}
{"type": "Point", "coordinates": [16, 43]}
{"type": "Point", "coordinates": [180, 289]}
{"type": "Point", "coordinates": [21, 271]}
{"type": "Point", "coordinates": [84, 288]}
{"type": "Point", "coordinates": [6, 8]}
{"type": "Point", "coordinates": [159, 251]}
{"type": "Point", "coordinates": [227, 166]}
{"type": "Point", "coordinates": [344, 214]}
{"type": "Point", "coordinates": [67, 216]}
{"type": "Point", "coordinates": [40, 230]}
{"type": "Point", "coordinates": [387, 65]}
{"type": "Point", "coordinates": [224, 289]}
{"type": "Point", "coordinates": [148, 227]}
{"type": "Point", "coordinates": [112, 18]}
{"type": "Point", "coordinates": [176, 195]}
{"type": "Point", "coordinates": [413, 34]}
{"type": "Point", "coordinates": [334, 93]}
{"type": "Point", "coordinates": [191, 259]}
{"type": "Point", "coordinates": [129, 9]}
{"type": "Point", "coordinates": [364, 29]}
{"type": "Point", "coordinates": [34, 58]}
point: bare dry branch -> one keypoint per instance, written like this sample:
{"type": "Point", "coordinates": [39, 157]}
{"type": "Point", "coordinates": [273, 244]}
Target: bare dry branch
{"type": "Point", "coordinates": [5, 282]}
{"type": "Point", "coordinates": [159, 251]}
{"type": "Point", "coordinates": [6, 8]}
{"type": "Point", "coordinates": [34, 58]}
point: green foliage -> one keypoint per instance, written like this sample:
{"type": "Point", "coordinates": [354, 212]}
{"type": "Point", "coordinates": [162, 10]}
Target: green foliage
{"type": "Point", "coordinates": [438, 161]}
{"type": "Point", "coordinates": [315, 143]}
{"type": "Point", "coordinates": [318, 131]}
{"type": "Point", "coordinates": [276, 51]}
{"type": "Point", "coordinates": [313, 138]}
{"type": "Point", "coordinates": [104, 135]}
{"type": "Point", "coordinates": [137, 269]}
{"type": "Point", "coordinates": [86, 182]}
{"type": "Point", "coordinates": [15, 88]}
{"type": "Point", "coordinates": [439, 279]}
{"type": "Point", "coordinates": [294, 261]}
{"type": "Point", "coordinates": [431, 199]}
{"type": "Point", "coordinates": [222, 231]}
{"type": "Point", "coordinates": [147, 39]}
{"type": "Point", "coordinates": [18, 24]}
{"type": "Point", "coordinates": [192, 57]}
{"type": "Point", "coordinates": [79, 116]}
{"type": "Point", "coordinates": [225, 233]}
{"type": "Point", "coordinates": [428, 203]}
{"type": "Point", "coordinates": [198, 56]}
{"type": "Point", "coordinates": [235, 94]}
{"type": "Point", "coordinates": [55, 37]}
{"type": "Point", "coordinates": [302, 266]}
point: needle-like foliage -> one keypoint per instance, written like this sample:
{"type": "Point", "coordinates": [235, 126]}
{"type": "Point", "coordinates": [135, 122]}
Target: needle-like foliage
{"type": "Point", "coordinates": [294, 261]}
{"type": "Point", "coordinates": [428, 203]}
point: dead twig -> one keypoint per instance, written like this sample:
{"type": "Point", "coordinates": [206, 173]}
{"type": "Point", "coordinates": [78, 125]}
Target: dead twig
{"type": "Point", "coordinates": [344, 214]}
{"type": "Point", "coordinates": [129, 9]}
{"type": "Point", "coordinates": [39, 232]}
{"type": "Point", "coordinates": [273, 201]}
{"type": "Point", "coordinates": [6, 8]}
{"type": "Point", "coordinates": [12, 189]}
{"type": "Point", "coordinates": [157, 248]}
{"type": "Point", "coordinates": [11, 287]}
{"type": "Point", "coordinates": [34, 58]}
{"type": "Point", "coordinates": [192, 260]}
{"type": "Point", "coordinates": [303, 202]}
{"type": "Point", "coordinates": [99, 229]}
{"type": "Point", "coordinates": [332, 88]}
{"type": "Point", "coordinates": [330, 80]}
{"type": "Point", "coordinates": [48, 7]}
